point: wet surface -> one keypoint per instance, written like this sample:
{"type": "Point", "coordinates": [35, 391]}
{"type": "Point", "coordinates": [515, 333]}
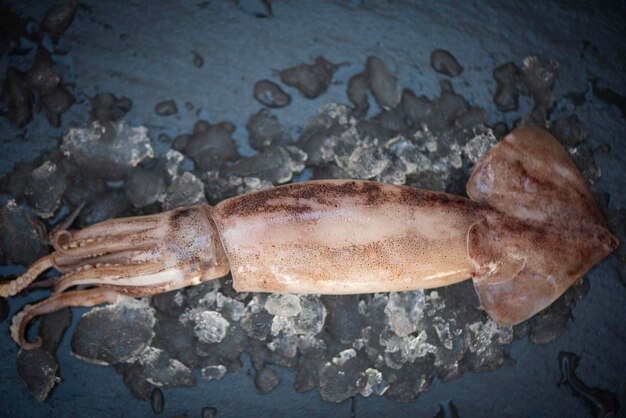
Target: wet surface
{"type": "Point", "coordinates": [601, 402]}
{"type": "Point", "coordinates": [157, 401]}
{"type": "Point", "coordinates": [348, 116]}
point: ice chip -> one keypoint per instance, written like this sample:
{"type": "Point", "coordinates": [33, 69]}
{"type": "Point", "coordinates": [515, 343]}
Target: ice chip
{"type": "Point", "coordinates": [213, 372]}
{"type": "Point", "coordinates": [107, 150]}
{"type": "Point", "coordinates": [408, 348]}
{"type": "Point", "coordinates": [185, 190]}
{"type": "Point", "coordinates": [344, 356]}
{"type": "Point", "coordinates": [179, 298]}
{"type": "Point", "coordinates": [160, 369]}
{"type": "Point", "coordinates": [483, 140]}
{"type": "Point", "coordinates": [343, 376]}
{"type": "Point", "coordinates": [255, 320]}
{"type": "Point", "coordinates": [231, 308]}
{"type": "Point", "coordinates": [45, 187]}
{"type": "Point", "coordinates": [487, 333]}
{"type": "Point", "coordinates": [38, 369]}
{"type": "Point", "coordinates": [114, 333]}
{"type": "Point", "coordinates": [310, 319]}
{"type": "Point", "coordinates": [404, 311]}
{"type": "Point", "coordinates": [172, 161]}
{"type": "Point", "coordinates": [286, 345]}
{"type": "Point", "coordinates": [310, 345]}
{"type": "Point", "coordinates": [359, 157]}
{"type": "Point", "coordinates": [486, 351]}
{"type": "Point", "coordinates": [443, 332]}
{"type": "Point", "coordinates": [283, 304]}
{"type": "Point", "coordinates": [434, 303]}
{"type": "Point", "coordinates": [20, 241]}
{"type": "Point", "coordinates": [375, 384]}
{"type": "Point", "coordinates": [209, 326]}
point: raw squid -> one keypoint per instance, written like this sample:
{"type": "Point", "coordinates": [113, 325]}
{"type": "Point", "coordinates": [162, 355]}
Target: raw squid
{"type": "Point", "coordinates": [529, 230]}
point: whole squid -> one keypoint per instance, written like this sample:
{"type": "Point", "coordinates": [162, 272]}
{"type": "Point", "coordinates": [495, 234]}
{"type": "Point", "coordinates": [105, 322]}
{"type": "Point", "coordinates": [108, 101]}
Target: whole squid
{"type": "Point", "coordinates": [529, 230]}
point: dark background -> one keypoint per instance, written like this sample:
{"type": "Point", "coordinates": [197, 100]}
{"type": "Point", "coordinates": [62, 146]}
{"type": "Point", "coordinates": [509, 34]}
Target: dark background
{"type": "Point", "coordinates": [143, 50]}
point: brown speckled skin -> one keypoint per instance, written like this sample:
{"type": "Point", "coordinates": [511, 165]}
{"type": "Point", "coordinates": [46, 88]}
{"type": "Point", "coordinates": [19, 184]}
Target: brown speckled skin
{"type": "Point", "coordinates": [345, 237]}
{"type": "Point", "coordinates": [546, 233]}
{"type": "Point", "coordinates": [530, 230]}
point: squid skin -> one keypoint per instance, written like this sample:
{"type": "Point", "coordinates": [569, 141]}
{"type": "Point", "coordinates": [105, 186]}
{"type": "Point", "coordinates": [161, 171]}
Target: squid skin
{"type": "Point", "coordinates": [346, 237]}
{"type": "Point", "coordinates": [529, 230]}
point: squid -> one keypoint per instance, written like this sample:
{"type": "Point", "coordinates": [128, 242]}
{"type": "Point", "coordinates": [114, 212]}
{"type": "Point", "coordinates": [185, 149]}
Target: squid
{"type": "Point", "coordinates": [528, 231]}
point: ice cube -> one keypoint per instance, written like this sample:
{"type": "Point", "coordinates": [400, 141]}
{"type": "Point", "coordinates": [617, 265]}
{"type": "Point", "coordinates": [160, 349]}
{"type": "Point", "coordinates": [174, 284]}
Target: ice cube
{"type": "Point", "coordinates": [375, 384]}
{"type": "Point", "coordinates": [107, 150]}
{"type": "Point", "coordinates": [185, 190]}
{"type": "Point", "coordinates": [285, 345]}
{"type": "Point", "coordinates": [443, 332]}
{"type": "Point", "coordinates": [114, 333]}
{"type": "Point", "coordinates": [404, 310]}
{"type": "Point", "coordinates": [172, 161]}
{"type": "Point", "coordinates": [209, 326]}
{"type": "Point", "coordinates": [310, 319]}
{"type": "Point", "coordinates": [20, 240]}
{"type": "Point", "coordinates": [283, 304]}
{"type": "Point", "coordinates": [213, 372]}
{"type": "Point", "coordinates": [160, 369]}
{"type": "Point", "coordinates": [45, 187]}
{"type": "Point", "coordinates": [38, 369]}
{"type": "Point", "coordinates": [343, 376]}
{"type": "Point", "coordinates": [483, 140]}
{"type": "Point", "coordinates": [255, 320]}
{"type": "Point", "coordinates": [486, 351]}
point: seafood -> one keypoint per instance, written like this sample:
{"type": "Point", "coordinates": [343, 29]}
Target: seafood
{"type": "Point", "coordinates": [528, 231]}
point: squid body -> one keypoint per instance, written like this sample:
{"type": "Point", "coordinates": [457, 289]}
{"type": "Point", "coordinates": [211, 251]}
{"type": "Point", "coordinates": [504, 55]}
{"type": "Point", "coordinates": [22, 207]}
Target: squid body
{"type": "Point", "coordinates": [529, 230]}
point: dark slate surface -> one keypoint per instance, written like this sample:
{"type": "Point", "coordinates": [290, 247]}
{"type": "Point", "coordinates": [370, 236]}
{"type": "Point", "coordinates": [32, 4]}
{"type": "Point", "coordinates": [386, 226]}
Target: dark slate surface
{"type": "Point", "coordinates": [145, 51]}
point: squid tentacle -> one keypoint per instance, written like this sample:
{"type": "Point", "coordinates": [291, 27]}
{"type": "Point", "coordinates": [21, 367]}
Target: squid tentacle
{"type": "Point", "coordinates": [76, 248]}
{"type": "Point", "coordinates": [65, 224]}
{"type": "Point", "coordinates": [102, 274]}
{"type": "Point", "coordinates": [67, 264]}
{"type": "Point", "coordinates": [88, 298]}
{"type": "Point", "coordinates": [108, 242]}
{"type": "Point", "coordinates": [116, 228]}
{"type": "Point", "coordinates": [16, 285]}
